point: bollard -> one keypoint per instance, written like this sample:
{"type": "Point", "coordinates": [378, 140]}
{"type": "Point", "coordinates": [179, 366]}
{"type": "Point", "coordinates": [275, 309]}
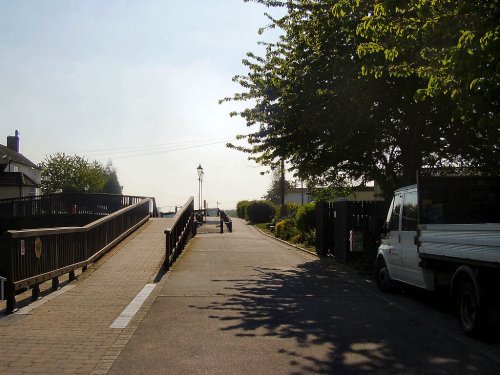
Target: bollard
{"type": "Point", "coordinates": [221, 226]}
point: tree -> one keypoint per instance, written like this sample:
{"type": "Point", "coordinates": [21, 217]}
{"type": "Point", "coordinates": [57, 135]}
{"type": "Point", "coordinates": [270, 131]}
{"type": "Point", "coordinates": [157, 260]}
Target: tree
{"type": "Point", "coordinates": [313, 106]}
{"type": "Point", "coordinates": [453, 48]}
{"type": "Point", "coordinates": [273, 194]}
{"type": "Point", "coordinates": [66, 173]}
{"type": "Point", "coordinates": [111, 184]}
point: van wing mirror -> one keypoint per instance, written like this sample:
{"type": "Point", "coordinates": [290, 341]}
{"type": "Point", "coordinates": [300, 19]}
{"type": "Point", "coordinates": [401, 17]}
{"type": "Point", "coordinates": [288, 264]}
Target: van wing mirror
{"type": "Point", "coordinates": [385, 229]}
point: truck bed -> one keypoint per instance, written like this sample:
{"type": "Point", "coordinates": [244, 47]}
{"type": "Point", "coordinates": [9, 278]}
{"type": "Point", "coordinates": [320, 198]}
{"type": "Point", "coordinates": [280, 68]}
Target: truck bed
{"type": "Point", "coordinates": [465, 243]}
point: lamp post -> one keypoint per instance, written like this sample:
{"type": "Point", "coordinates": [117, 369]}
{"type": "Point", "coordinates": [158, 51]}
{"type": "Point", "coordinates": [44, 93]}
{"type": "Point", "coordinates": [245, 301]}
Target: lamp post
{"type": "Point", "coordinates": [200, 183]}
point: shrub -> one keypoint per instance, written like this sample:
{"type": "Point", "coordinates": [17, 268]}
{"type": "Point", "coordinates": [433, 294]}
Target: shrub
{"type": "Point", "coordinates": [287, 210]}
{"type": "Point", "coordinates": [306, 217]}
{"type": "Point", "coordinates": [241, 208]}
{"type": "Point", "coordinates": [285, 229]}
{"type": "Point", "coordinates": [260, 211]}
{"type": "Point", "coordinates": [310, 238]}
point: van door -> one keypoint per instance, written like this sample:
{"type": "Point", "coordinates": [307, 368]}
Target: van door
{"type": "Point", "coordinates": [391, 245]}
{"type": "Point", "coordinates": [412, 273]}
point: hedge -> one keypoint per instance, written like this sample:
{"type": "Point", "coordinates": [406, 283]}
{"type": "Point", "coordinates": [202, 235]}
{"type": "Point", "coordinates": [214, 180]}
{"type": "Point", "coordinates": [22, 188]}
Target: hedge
{"type": "Point", "coordinates": [260, 211]}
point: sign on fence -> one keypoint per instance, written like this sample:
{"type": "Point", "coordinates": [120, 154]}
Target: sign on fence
{"type": "Point", "coordinates": [2, 289]}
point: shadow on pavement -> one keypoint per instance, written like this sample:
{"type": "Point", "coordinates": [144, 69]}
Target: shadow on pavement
{"type": "Point", "coordinates": [338, 327]}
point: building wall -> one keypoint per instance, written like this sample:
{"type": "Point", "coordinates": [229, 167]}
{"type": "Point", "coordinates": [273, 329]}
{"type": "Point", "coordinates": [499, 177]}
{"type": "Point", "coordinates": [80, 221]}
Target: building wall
{"type": "Point", "coordinates": [33, 173]}
{"type": "Point", "coordinates": [363, 196]}
{"type": "Point", "coordinates": [297, 198]}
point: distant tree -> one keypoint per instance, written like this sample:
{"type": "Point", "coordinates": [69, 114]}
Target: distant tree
{"type": "Point", "coordinates": [75, 174]}
{"type": "Point", "coordinates": [111, 184]}
{"type": "Point", "coordinates": [273, 194]}
{"type": "Point", "coordinates": [241, 208]}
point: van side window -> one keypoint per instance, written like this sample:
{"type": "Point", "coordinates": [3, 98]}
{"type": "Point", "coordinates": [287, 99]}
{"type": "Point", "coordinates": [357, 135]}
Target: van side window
{"type": "Point", "coordinates": [410, 218]}
{"type": "Point", "coordinates": [396, 209]}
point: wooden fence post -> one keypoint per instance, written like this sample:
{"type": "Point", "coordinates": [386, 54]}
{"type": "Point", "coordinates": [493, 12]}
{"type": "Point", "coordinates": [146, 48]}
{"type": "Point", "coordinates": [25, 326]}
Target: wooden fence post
{"type": "Point", "coordinates": [10, 292]}
{"type": "Point", "coordinates": [343, 224]}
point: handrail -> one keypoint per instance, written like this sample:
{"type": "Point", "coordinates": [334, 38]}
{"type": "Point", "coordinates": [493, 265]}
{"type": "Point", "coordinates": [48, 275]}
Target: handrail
{"type": "Point", "coordinates": [177, 236]}
{"type": "Point", "coordinates": [60, 210]}
{"type": "Point", "coordinates": [225, 219]}
{"type": "Point", "coordinates": [32, 256]}
{"type": "Point", "coordinates": [60, 230]}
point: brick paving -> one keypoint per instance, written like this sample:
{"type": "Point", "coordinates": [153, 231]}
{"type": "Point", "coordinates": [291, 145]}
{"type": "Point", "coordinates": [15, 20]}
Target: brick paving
{"type": "Point", "coordinates": [70, 333]}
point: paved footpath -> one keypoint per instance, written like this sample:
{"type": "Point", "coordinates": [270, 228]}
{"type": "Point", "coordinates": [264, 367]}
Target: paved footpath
{"type": "Point", "coordinates": [68, 332]}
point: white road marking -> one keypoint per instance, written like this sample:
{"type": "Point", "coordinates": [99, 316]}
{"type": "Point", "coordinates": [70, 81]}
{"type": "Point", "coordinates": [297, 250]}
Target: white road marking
{"type": "Point", "coordinates": [134, 306]}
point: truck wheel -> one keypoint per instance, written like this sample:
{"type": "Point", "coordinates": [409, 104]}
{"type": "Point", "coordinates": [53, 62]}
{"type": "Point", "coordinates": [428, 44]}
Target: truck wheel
{"type": "Point", "coordinates": [384, 281]}
{"type": "Point", "coordinates": [469, 312]}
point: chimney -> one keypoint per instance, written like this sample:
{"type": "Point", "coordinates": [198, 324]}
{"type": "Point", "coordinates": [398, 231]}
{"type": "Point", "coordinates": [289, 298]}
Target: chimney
{"type": "Point", "coordinates": [13, 142]}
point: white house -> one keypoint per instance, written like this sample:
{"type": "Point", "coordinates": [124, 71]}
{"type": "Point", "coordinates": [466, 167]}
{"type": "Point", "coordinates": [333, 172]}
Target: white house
{"type": "Point", "coordinates": [299, 196]}
{"type": "Point", "coordinates": [302, 196]}
{"type": "Point", "coordinates": [19, 177]}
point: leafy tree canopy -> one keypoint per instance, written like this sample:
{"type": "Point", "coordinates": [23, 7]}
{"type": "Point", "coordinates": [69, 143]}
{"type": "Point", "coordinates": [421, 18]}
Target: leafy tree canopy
{"type": "Point", "coordinates": [332, 96]}
{"type": "Point", "coordinates": [66, 173]}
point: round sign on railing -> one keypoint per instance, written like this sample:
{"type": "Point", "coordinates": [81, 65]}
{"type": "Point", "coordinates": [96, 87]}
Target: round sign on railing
{"type": "Point", "coordinates": [38, 247]}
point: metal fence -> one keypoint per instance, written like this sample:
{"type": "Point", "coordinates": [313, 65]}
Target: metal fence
{"type": "Point", "coordinates": [30, 257]}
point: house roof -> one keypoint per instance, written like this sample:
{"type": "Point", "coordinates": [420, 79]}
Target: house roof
{"type": "Point", "coordinates": [16, 179]}
{"type": "Point", "coordinates": [7, 155]}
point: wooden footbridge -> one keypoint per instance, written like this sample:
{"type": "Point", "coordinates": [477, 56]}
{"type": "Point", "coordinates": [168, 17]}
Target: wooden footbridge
{"type": "Point", "coordinates": [45, 237]}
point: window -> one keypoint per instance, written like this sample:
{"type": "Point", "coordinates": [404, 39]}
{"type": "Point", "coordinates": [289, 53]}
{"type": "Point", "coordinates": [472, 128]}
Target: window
{"type": "Point", "coordinates": [396, 212]}
{"type": "Point", "coordinates": [410, 216]}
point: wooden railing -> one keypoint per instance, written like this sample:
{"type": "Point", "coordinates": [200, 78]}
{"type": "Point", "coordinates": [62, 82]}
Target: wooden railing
{"type": "Point", "coordinates": [30, 257]}
{"type": "Point", "coordinates": [225, 219]}
{"type": "Point", "coordinates": [179, 233]}
{"type": "Point", "coordinates": [57, 210]}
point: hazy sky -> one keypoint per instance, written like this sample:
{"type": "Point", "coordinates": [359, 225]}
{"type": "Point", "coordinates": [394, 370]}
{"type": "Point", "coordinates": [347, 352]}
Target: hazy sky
{"type": "Point", "coordinates": [134, 82]}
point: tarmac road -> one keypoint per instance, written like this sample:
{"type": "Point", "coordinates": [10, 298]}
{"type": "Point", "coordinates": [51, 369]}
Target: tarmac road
{"type": "Point", "coordinates": [242, 303]}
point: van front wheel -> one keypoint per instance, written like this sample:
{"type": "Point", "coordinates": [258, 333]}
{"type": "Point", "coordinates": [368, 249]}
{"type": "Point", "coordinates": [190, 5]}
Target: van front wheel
{"type": "Point", "coordinates": [383, 278]}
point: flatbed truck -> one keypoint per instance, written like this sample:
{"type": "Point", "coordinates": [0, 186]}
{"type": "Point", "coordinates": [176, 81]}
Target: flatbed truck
{"type": "Point", "coordinates": [445, 232]}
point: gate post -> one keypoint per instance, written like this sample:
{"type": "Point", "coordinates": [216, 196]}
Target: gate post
{"type": "Point", "coordinates": [322, 228]}
{"type": "Point", "coordinates": [343, 224]}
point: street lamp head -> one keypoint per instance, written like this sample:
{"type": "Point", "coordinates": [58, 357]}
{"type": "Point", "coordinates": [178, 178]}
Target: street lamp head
{"type": "Point", "coordinates": [200, 171]}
